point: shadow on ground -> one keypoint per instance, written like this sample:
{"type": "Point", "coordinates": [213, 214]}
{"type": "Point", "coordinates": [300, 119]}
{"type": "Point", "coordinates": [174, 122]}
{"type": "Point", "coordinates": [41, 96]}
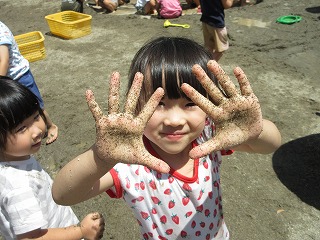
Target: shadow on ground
{"type": "Point", "coordinates": [297, 165]}
{"type": "Point", "coordinates": [313, 9]}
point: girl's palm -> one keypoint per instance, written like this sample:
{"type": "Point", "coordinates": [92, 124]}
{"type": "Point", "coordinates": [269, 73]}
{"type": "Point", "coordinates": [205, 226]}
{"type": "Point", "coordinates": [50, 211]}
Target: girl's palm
{"type": "Point", "coordinates": [237, 116]}
{"type": "Point", "coordinates": [119, 135]}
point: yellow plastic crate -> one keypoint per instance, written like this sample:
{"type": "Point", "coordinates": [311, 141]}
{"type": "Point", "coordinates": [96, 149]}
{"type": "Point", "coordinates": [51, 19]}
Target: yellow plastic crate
{"type": "Point", "coordinates": [69, 24]}
{"type": "Point", "coordinates": [31, 45]}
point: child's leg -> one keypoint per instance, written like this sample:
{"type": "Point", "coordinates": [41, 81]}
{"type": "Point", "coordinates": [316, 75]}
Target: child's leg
{"type": "Point", "coordinates": [215, 39]}
{"type": "Point", "coordinates": [109, 5]}
{"type": "Point", "coordinates": [28, 80]}
{"type": "Point", "coordinates": [52, 129]}
{"type": "Point", "coordinates": [246, 2]}
{"type": "Point", "coordinates": [193, 3]}
{"type": "Point", "coordinates": [150, 7]}
{"type": "Point", "coordinates": [196, 2]}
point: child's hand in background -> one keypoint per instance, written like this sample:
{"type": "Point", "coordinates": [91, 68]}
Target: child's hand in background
{"type": "Point", "coordinates": [92, 226]}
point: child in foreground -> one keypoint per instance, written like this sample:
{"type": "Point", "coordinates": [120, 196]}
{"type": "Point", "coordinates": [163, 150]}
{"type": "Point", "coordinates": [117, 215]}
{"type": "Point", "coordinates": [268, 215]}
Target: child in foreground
{"type": "Point", "coordinates": [162, 155]}
{"type": "Point", "coordinates": [27, 208]}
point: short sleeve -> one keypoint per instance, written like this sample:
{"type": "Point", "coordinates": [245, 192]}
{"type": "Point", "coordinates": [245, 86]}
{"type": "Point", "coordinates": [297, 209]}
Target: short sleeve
{"type": "Point", "coordinates": [23, 210]}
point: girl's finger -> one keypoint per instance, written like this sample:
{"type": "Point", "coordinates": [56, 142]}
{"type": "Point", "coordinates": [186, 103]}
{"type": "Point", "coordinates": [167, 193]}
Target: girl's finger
{"type": "Point", "coordinates": [154, 163]}
{"type": "Point", "coordinates": [134, 93]}
{"type": "Point", "coordinates": [113, 102]}
{"type": "Point", "coordinates": [208, 84]}
{"type": "Point", "coordinates": [244, 83]}
{"type": "Point", "coordinates": [151, 105]}
{"type": "Point", "coordinates": [227, 85]}
{"type": "Point", "coordinates": [205, 149]}
{"type": "Point", "coordinates": [93, 106]}
{"type": "Point", "coordinates": [204, 103]}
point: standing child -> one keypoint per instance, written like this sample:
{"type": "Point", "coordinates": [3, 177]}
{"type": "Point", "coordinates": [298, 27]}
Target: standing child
{"type": "Point", "coordinates": [27, 208]}
{"type": "Point", "coordinates": [15, 66]}
{"type": "Point", "coordinates": [180, 117]}
{"type": "Point", "coordinates": [169, 8]}
{"type": "Point", "coordinates": [213, 26]}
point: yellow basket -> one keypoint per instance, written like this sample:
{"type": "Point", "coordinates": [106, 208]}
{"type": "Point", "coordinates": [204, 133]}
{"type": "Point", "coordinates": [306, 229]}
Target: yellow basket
{"type": "Point", "coordinates": [31, 45]}
{"type": "Point", "coordinates": [69, 24]}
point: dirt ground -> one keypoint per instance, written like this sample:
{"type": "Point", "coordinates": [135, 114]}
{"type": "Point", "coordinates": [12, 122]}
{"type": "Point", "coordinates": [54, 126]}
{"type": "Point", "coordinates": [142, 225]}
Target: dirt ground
{"type": "Point", "coordinates": [269, 197]}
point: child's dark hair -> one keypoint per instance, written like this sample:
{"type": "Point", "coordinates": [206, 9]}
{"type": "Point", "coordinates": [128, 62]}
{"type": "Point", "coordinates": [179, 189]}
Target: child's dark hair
{"type": "Point", "coordinates": [167, 62]}
{"type": "Point", "coordinates": [16, 104]}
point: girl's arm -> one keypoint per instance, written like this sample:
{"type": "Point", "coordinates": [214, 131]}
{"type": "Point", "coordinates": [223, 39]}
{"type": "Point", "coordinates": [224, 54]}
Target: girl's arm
{"type": "Point", "coordinates": [227, 3]}
{"type": "Point", "coordinates": [4, 60]}
{"type": "Point", "coordinates": [82, 178]}
{"type": "Point", "coordinates": [236, 114]}
{"type": "Point", "coordinates": [268, 141]}
{"type": "Point", "coordinates": [118, 139]}
{"type": "Point", "coordinates": [91, 227]}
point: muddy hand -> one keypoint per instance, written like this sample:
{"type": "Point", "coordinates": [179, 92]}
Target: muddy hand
{"type": "Point", "coordinates": [237, 115]}
{"type": "Point", "coordinates": [93, 226]}
{"type": "Point", "coordinates": [119, 134]}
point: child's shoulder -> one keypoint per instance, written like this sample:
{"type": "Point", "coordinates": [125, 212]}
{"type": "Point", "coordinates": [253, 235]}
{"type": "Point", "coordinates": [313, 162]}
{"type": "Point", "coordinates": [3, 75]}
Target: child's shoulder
{"type": "Point", "coordinates": [28, 164]}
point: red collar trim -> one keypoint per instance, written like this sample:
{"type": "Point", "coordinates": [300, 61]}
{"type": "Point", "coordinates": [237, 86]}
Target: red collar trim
{"type": "Point", "coordinates": [173, 172]}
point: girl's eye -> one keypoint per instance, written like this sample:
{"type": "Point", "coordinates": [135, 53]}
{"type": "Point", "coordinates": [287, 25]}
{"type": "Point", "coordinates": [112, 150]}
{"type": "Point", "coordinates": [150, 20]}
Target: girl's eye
{"type": "Point", "coordinates": [37, 117]}
{"type": "Point", "coordinates": [21, 129]}
{"type": "Point", "coordinates": [161, 104]}
{"type": "Point", "coordinates": [190, 104]}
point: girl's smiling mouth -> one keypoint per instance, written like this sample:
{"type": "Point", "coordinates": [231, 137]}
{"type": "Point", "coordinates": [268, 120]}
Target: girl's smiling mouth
{"type": "Point", "coordinates": [36, 145]}
{"type": "Point", "coordinates": [175, 136]}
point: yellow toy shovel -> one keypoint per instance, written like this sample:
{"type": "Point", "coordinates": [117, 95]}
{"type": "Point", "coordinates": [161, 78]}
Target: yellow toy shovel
{"type": "Point", "coordinates": [167, 23]}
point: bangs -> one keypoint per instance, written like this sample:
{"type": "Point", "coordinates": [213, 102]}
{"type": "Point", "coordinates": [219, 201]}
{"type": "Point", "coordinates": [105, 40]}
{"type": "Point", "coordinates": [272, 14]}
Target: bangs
{"type": "Point", "coordinates": [170, 65]}
{"type": "Point", "coordinates": [167, 62]}
{"type": "Point", "coordinates": [15, 106]}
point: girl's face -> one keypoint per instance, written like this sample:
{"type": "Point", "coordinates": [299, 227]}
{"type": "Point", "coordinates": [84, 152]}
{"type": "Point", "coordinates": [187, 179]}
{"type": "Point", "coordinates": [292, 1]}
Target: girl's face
{"type": "Point", "coordinates": [174, 125]}
{"type": "Point", "coordinates": [25, 139]}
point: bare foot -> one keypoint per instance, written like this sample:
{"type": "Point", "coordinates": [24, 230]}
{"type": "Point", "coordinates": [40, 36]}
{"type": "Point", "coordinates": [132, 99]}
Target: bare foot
{"type": "Point", "coordinates": [246, 2]}
{"type": "Point", "coordinates": [52, 134]}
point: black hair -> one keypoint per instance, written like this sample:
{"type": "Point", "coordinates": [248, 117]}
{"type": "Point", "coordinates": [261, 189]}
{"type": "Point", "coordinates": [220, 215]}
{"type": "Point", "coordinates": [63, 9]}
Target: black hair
{"type": "Point", "coordinates": [17, 103]}
{"type": "Point", "coordinates": [167, 62]}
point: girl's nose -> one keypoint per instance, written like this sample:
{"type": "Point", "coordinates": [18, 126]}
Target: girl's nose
{"type": "Point", "coordinates": [175, 117]}
{"type": "Point", "coordinates": [36, 132]}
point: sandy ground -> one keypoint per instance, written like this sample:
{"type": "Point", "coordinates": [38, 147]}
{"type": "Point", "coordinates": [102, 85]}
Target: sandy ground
{"type": "Point", "coordinates": [275, 196]}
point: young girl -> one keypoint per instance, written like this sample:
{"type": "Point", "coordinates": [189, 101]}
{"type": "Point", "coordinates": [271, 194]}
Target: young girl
{"type": "Point", "coordinates": [181, 117]}
{"type": "Point", "coordinates": [27, 208]}
{"type": "Point", "coordinates": [169, 8]}
{"type": "Point", "coordinates": [15, 66]}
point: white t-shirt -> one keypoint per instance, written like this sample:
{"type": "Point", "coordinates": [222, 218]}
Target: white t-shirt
{"type": "Point", "coordinates": [173, 206]}
{"type": "Point", "coordinates": [26, 200]}
{"type": "Point", "coordinates": [18, 65]}
{"type": "Point", "coordinates": [141, 3]}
